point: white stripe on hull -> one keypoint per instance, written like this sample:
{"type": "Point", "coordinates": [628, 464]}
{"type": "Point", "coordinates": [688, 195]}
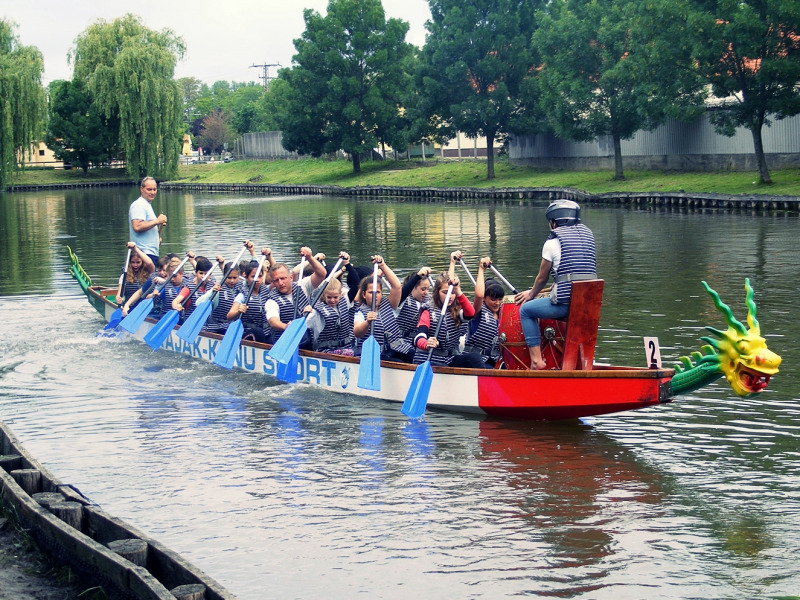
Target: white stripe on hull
{"type": "Point", "coordinates": [448, 391]}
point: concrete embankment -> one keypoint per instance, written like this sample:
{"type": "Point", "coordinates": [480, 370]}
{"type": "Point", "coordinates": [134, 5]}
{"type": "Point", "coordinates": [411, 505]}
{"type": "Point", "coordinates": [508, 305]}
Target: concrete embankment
{"type": "Point", "coordinates": [521, 195]}
{"type": "Point", "coordinates": [75, 531]}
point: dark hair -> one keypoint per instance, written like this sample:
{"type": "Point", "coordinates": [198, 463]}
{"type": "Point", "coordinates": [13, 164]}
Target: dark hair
{"type": "Point", "coordinates": [163, 262]}
{"type": "Point", "coordinates": [251, 266]}
{"type": "Point", "coordinates": [201, 263]}
{"type": "Point", "coordinates": [230, 267]}
{"type": "Point", "coordinates": [494, 290]}
{"type": "Point", "coordinates": [362, 286]}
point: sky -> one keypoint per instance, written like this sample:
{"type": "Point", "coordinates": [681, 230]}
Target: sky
{"type": "Point", "coordinates": [223, 38]}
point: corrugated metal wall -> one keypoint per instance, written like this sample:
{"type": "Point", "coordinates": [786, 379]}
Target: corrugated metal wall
{"type": "Point", "coordinates": [266, 145]}
{"type": "Point", "coordinates": [672, 139]}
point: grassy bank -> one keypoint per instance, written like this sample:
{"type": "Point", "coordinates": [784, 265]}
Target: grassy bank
{"type": "Point", "coordinates": [465, 173]}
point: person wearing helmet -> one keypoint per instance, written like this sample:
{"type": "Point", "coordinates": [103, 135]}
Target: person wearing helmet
{"type": "Point", "coordinates": [569, 255]}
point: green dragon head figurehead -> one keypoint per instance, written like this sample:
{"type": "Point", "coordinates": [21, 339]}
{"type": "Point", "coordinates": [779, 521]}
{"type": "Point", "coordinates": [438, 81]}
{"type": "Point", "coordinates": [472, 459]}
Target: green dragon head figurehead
{"type": "Point", "coordinates": [744, 358]}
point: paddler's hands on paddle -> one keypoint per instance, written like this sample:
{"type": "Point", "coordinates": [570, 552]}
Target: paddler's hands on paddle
{"type": "Point", "coordinates": [486, 262]}
{"type": "Point", "coordinates": [424, 272]}
{"type": "Point", "coordinates": [431, 342]}
{"type": "Point", "coordinates": [457, 291]}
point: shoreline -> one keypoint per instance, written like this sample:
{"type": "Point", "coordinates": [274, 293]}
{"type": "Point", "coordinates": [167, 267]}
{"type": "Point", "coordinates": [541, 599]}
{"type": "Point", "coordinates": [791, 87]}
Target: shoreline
{"type": "Point", "coordinates": [71, 530]}
{"type": "Point", "coordinates": [515, 195]}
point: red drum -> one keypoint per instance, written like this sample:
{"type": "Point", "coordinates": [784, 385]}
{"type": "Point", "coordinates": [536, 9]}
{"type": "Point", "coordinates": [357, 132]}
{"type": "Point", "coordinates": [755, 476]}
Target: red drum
{"type": "Point", "coordinates": [514, 352]}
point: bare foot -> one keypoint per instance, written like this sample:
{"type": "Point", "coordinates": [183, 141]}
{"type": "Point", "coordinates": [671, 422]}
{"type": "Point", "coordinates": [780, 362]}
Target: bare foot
{"type": "Point", "coordinates": [537, 366]}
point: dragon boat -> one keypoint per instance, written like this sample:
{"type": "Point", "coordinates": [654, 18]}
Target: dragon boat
{"type": "Point", "coordinates": [572, 387]}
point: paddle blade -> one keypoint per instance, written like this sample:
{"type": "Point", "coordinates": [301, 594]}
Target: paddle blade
{"type": "Point", "coordinates": [156, 336]}
{"type": "Point", "coordinates": [369, 370]}
{"type": "Point", "coordinates": [192, 326]}
{"type": "Point", "coordinates": [284, 349]}
{"type": "Point", "coordinates": [137, 316]}
{"type": "Point", "coordinates": [417, 396]}
{"type": "Point", "coordinates": [115, 319]}
{"type": "Point", "coordinates": [288, 372]}
{"type": "Point", "coordinates": [229, 346]}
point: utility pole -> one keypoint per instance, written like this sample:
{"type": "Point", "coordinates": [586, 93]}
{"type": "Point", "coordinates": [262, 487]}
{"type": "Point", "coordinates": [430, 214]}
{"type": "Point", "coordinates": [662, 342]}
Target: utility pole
{"type": "Point", "coordinates": [265, 76]}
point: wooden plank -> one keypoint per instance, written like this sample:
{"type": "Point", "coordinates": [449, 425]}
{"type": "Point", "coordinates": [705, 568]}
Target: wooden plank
{"type": "Point", "coordinates": [582, 323]}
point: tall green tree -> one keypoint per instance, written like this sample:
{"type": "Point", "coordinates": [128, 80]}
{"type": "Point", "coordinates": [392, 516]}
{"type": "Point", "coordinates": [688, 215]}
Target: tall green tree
{"type": "Point", "coordinates": [749, 51]}
{"type": "Point", "coordinates": [77, 131]}
{"type": "Point", "coordinates": [612, 68]}
{"type": "Point", "coordinates": [129, 71]}
{"type": "Point", "coordinates": [22, 100]}
{"type": "Point", "coordinates": [345, 85]}
{"type": "Point", "coordinates": [477, 55]}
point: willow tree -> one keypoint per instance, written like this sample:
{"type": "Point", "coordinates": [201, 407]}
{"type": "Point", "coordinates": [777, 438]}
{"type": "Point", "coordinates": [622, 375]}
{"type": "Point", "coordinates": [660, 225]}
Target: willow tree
{"type": "Point", "coordinates": [22, 99]}
{"type": "Point", "coordinates": [129, 70]}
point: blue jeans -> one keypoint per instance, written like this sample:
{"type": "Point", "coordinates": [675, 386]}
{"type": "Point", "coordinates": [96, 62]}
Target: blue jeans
{"type": "Point", "coordinates": [532, 311]}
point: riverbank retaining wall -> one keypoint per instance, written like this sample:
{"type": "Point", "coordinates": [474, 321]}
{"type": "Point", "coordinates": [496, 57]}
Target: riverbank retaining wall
{"type": "Point", "coordinates": [465, 194]}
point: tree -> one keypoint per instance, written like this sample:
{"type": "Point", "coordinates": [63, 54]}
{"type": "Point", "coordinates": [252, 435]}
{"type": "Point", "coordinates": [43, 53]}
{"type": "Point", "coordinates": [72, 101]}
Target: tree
{"type": "Point", "coordinates": [619, 70]}
{"type": "Point", "coordinates": [129, 70]}
{"type": "Point", "coordinates": [216, 131]}
{"type": "Point", "coordinates": [749, 51]}
{"type": "Point", "coordinates": [476, 57]}
{"type": "Point", "coordinates": [346, 81]}
{"type": "Point", "coordinates": [77, 131]}
{"type": "Point", "coordinates": [190, 91]}
{"type": "Point", "coordinates": [22, 100]}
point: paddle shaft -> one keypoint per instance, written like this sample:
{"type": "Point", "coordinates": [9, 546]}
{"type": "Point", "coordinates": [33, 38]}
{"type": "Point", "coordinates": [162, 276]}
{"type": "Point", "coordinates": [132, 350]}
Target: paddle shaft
{"type": "Point", "coordinates": [251, 288]}
{"type": "Point", "coordinates": [374, 292]}
{"type": "Point", "coordinates": [503, 279]}
{"type": "Point", "coordinates": [234, 265]}
{"type": "Point", "coordinates": [321, 289]}
{"type": "Point", "coordinates": [124, 269]}
{"type": "Point", "coordinates": [161, 287]}
{"type": "Point", "coordinates": [197, 287]}
{"type": "Point", "coordinates": [466, 270]}
{"type": "Point", "coordinates": [441, 317]}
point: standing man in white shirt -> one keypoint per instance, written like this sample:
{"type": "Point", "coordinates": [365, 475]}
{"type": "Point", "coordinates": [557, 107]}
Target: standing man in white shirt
{"type": "Point", "coordinates": [145, 226]}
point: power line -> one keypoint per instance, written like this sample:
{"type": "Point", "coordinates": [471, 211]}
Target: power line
{"type": "Point", "coordinates": [265, 78]}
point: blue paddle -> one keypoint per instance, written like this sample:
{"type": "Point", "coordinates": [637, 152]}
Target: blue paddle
{"type": "Point", "coordinates": [417, 396]}
{"type": "Point", "coordinates": [288, 372]}
{"type": "Point", "coordinates": [287, 345]}
{"type": "Point", "coordinates": [116, 316]}
{"type": "Point", "coordinates": [229, 346]}
{"type": "Point", "coordinates": [194, 323]}
{"type": "Point", "coordinates": [156, 336]}
{"type": "Point", "coordinates": [137, 316]}
{"type": "Point", "coordinates": [369, 369]}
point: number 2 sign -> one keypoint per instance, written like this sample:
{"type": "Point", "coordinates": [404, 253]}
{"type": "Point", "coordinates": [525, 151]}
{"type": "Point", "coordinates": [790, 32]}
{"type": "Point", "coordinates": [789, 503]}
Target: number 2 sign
{"type": "Point", "coordinates": [652, 352]}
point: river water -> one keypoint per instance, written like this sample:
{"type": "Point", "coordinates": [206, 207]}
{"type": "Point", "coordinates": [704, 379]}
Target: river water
{"type": "Point", "coordinates": [290, 492]}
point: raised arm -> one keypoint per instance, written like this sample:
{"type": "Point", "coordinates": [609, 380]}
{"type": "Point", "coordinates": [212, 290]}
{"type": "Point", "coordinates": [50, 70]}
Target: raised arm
{"type": "Point", "coordinates": [319, 272]}
{"type": "Point", "coordinates": [395, 288]}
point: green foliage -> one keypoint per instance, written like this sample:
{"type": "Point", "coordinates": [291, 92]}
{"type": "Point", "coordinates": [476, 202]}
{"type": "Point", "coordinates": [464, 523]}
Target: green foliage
{"type": "Point", "coordinates": [347, 85]}
{"type": "Point", "coordinates": [477, 55]}
{"type": "Point", "coordinates": [129, 70]}
{"type": "Point", "coordinates": [22, 100]}
{"type": "Point", "coordinates": [612, 68]}
{"type": "Point", "coordinates": [749, 51]}
{"type": "Point", "coordinates": [77, 131]}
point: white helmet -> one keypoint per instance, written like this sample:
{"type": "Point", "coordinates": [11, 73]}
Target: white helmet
{"type": "Point", "coordinates": [564, 212]}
